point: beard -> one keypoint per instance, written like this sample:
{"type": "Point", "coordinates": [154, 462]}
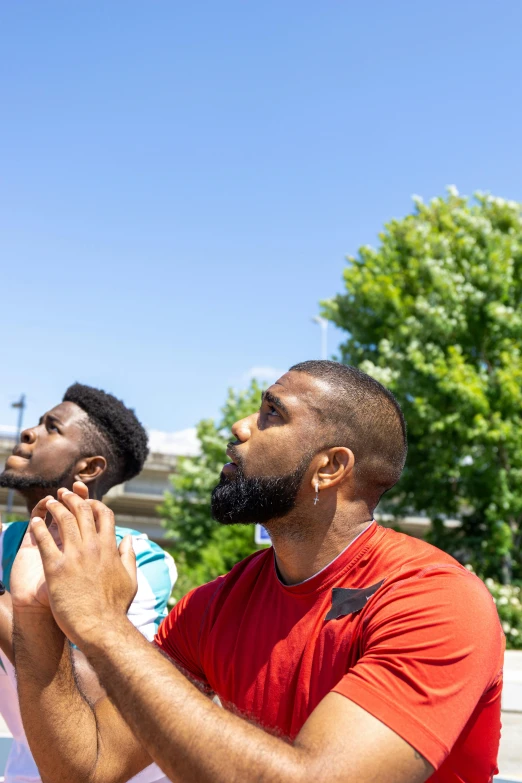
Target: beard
{"type": "Point", "coordinates": [18, 481]}
{"type": "Point", "coordinates": [258, 499]}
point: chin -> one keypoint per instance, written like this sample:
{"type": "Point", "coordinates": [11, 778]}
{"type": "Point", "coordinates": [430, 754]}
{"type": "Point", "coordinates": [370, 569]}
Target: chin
{"type": "Point", "coordinates": [24, 482]}
{"type": "Point", "coordinates": [7, 475]}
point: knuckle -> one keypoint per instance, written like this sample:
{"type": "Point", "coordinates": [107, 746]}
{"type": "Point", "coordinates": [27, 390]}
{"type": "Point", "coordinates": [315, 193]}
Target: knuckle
{"type": "Point", "coordinates": [69, 518]}
{"type": "Point", "coordinates": [104, 510]}
{"type": "Point", "coordinates": [59, 566]}
{"type": "Point", "coordinates": [93, 547]}
{"type": "Point", "coordinates": [74, 557]}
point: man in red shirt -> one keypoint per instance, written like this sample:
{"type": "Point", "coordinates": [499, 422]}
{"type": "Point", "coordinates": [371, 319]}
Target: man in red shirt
{"type": "Point", "coordinates": [346, 652]}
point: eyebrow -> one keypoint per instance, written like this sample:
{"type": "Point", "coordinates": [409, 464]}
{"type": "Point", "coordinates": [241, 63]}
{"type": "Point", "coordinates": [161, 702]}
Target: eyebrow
{"type": "Point", "coordinates": [276, 401]}
{"type": "Point", "coordinates": [49, 417]}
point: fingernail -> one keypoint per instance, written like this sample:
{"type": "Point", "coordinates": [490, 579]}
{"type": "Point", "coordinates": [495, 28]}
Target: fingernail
{"type": "Point", "coordinates": [37, 519]}
{"type": "Point", "coordinates": [67, 492]}
{"type": "Point", "coordinates": [52, 500]}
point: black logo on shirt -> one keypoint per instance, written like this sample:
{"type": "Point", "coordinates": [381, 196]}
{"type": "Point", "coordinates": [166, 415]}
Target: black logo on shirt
{"type": "Point", "coordinates": [347, 600]}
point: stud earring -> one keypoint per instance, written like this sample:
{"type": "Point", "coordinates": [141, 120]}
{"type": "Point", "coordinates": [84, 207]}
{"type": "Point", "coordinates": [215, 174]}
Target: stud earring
{"type": "Point", "coordinates": [316, 499]}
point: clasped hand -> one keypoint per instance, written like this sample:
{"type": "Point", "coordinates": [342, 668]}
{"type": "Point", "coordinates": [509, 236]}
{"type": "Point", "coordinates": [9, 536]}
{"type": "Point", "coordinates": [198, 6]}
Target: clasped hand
{"type": "Point", "coordinates": [74, 567]}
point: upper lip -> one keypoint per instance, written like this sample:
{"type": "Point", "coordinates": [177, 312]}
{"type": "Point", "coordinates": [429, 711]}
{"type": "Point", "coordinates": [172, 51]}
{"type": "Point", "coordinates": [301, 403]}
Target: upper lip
{"type": "Point", "coordinates": [19, 452]}
{"type": "Point", "coordinates": [230, 453]}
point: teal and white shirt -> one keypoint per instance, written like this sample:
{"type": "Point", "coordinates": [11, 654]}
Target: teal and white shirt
{"type": "Point", "coordinates": [156, 577]}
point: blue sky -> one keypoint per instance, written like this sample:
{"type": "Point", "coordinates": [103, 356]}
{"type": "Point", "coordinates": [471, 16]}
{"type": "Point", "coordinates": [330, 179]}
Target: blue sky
{"type": "Point", "coordinates": [180, 182]}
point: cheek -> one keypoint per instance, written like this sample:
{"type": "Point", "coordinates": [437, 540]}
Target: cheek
{"type": "Point", "coordinates": [274, 454]}
{"type": "Point", "coordinates": [50, 460]}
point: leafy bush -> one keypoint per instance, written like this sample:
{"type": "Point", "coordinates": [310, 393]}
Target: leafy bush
{"type": "Point", "coordinates": [508, 600]}
{"type": "Point", "coordinates": [509, 607]}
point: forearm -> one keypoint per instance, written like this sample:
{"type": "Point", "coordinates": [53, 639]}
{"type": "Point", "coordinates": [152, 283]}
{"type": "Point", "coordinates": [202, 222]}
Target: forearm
{"type": "Point", "coordinates": [6, 625]}
{"type": "Point", "coordinates": [53, 711]}
{"type": "Point", "coordinates": [187, 735]}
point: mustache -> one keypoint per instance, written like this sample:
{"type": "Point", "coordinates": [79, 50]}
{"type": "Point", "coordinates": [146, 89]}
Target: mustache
{"type": "Point", "coordinates": [236, 457]}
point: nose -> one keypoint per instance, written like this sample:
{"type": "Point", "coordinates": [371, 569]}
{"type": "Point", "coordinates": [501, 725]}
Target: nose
{"type": "Point", "coordinates": [28, 436]}
{"type": "Point", "coordinates": [242, 429]}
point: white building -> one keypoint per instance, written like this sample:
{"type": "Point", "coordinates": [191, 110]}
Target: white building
{"type": "Point", "coordinates": [135, 502]}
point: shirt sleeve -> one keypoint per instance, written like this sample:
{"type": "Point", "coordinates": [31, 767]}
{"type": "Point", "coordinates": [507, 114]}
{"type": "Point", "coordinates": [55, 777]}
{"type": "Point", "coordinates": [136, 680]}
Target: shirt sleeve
{"type": "Point", "coordinates": [181, 634]}
{"type": "Point", "coordinates": [10, 541]}
{"type": "Point", "coordinates": [156, 578]}
{"type": "Point", "coordinates": [432, 648]}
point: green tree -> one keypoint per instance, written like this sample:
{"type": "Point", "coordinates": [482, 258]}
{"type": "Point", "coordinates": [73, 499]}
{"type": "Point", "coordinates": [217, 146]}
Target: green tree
{"type": "Point", "coordinates": [205, 549]}
{"type": "Point", "coordinates": [435, 314]}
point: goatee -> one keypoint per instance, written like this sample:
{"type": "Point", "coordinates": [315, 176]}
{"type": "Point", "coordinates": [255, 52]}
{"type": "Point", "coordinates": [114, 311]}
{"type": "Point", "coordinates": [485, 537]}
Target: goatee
{"type": "Point", "coordinates": [13, 480]}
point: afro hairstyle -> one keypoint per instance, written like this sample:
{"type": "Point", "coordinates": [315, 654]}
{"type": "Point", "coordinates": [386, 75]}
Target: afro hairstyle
{"type": "Point", "coordinates": [113, 431]}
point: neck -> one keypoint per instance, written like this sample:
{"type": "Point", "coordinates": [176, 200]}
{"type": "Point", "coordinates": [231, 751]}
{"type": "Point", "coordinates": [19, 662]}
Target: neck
{"type": "Point", "coordinates": [34, 495]}
{"type": "Point", "coordinates": [305, 543]}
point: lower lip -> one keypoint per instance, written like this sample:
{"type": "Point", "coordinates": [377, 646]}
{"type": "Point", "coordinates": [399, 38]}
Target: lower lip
{"type": "Point", "coordinates": [14, 461]}
{"type": "Point", "coordinates": [229, 469]}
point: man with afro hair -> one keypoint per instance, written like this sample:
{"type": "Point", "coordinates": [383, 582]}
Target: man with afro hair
{"type": "Point", "coordinates": [92, 437]}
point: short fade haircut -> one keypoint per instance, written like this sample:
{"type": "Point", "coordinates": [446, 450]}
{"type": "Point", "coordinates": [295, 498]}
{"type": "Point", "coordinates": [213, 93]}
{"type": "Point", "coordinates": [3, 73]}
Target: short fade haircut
{"type": "Point", "coordinates": [112, 431]}
{"type": "Point", "coordinates": [359, 413]}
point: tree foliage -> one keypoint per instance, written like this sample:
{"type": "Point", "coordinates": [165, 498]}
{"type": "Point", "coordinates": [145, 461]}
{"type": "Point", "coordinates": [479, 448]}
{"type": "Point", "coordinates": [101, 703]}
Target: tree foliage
{"type": "Point", "coordinates": [435, 313]}
{"type": "Point", "coordinates": [204, 549]}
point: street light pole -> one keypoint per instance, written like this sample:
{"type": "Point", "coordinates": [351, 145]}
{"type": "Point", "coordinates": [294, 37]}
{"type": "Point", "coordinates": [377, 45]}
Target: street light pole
{"type": "Point", "coordinates": [21, 407]}
{"type": "Point", "coordinates": [323, 323]}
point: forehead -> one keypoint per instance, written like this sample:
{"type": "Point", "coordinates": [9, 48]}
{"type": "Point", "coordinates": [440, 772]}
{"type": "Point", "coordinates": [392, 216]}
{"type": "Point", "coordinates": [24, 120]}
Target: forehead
{"type": "Point", "coordinates": [68, 413]}
{"type": "Point", "coordinates": [300, 391]}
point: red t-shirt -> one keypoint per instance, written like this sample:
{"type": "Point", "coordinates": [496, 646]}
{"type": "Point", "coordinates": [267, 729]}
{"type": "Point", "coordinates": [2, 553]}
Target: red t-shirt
{"type": "Point", "coordinates": [422, 652]}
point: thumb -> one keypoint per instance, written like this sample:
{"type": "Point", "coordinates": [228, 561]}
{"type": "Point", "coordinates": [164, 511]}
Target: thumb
{"type": "Point", "coordinates": [128, 558]}
{"type": "Point", "coordinates": [40, 535]}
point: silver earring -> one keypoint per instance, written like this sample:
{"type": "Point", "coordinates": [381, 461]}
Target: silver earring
{"type": "Point", "coordinates": [316, 499]}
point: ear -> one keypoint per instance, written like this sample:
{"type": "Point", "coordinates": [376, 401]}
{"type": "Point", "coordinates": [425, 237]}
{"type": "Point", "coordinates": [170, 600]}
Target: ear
{"type": "Point", "coordinates": [335, 466]}
{"type": "Point", "coordinates": [89, 469]}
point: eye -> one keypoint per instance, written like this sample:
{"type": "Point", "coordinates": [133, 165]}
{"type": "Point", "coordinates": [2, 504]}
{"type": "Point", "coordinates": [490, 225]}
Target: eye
{"type": "Point", "coordinates": [52, 427]}
{"type": "Point", "coordinates": [272, 411]}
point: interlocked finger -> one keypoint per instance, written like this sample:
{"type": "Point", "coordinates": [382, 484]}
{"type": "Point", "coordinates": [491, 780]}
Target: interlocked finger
{"type": "Point", "coordinates": [81, 489]}
{"type": "Point", "coordinates": [40, 510]}
{"type": "Point", "coordinates": [104, 521]}
{"type": "Point", "coordinates": [44, 540]}
{"type": "Point", "coordinates": [82, 511]}
{"type": "Point", "coordinates": [66, 522]}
